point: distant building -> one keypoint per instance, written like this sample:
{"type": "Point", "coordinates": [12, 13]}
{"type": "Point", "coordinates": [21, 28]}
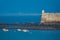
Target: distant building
{"type": "Point", "coordinates": [50, 17]}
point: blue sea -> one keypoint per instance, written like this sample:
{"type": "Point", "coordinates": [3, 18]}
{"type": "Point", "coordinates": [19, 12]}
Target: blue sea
{"type": "Point", "coordinates": [14, 7]}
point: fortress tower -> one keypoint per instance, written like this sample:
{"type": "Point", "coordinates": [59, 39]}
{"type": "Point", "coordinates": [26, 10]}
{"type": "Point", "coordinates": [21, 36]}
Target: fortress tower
{"type": "Point", "coordinates": [50, 17]}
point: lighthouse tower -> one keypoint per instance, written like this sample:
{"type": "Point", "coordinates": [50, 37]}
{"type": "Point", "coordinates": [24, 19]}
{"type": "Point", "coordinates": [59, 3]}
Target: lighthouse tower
{"type": "Point", "coordinates": [43, 17]}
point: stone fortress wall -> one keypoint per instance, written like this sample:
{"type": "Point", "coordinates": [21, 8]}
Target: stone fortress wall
{"type": "Point", "coordinates": [50, 17]}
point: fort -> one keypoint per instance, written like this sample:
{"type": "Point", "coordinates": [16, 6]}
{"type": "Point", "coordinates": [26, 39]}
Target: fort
{"type": "Point", "coordinates": [50, 17]}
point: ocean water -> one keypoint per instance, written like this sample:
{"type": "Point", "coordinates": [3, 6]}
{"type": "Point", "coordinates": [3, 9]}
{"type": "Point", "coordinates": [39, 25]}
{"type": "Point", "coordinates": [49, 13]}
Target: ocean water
{"type": "Point", "coordinates": [27, 7]}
